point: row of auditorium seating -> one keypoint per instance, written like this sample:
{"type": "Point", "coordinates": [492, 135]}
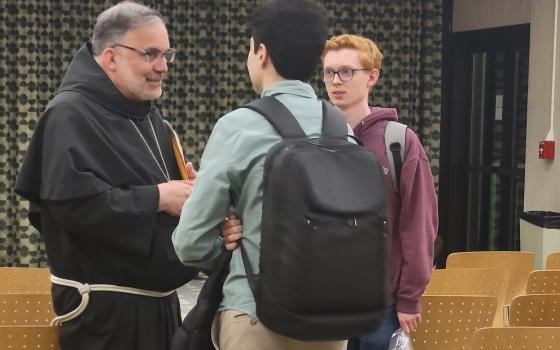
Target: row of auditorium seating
{"type": "Point", "coordinates": [26, 309]}
{"type": "Point", "coordinates": [481, 300]}
{"type": "Point", "coordinates": [491, 300]}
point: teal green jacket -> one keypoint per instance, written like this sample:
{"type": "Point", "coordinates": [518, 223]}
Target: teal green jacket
{"type": "Point", "coordinates": [231, 175]}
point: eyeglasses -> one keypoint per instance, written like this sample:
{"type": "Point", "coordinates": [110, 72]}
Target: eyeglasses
{"type": "Point", "coordinates": [344, 74]}
{"type": "Point", "coordinates": [151, 55]}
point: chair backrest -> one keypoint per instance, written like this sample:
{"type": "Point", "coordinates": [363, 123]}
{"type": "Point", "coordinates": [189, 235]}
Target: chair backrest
{"type": "Point", "coordinates": [25, 280]}
{"type": "Point", "coordinates": [543, 282]}
{"type": "Point", "coordinates": [471, 281]}
{"type": "Point", "coordinates": [536, 310]}
{"type": "Point", "coordinates": [516, 338]}
{"type": "Point", "coordinates": [448, 321]}
{"type": "Point", "coordinates": [519, 265]}
{"type": "Point", "coordinates": [26, 309]}
{"type": "Point", "coordinates": [553, 261]}
{"type": "Point", "coordinates": [29, 337]}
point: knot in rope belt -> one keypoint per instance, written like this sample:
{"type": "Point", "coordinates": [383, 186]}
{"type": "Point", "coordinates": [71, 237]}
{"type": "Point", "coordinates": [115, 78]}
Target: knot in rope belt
{"type": "Point", "coordinates": [85, 289]}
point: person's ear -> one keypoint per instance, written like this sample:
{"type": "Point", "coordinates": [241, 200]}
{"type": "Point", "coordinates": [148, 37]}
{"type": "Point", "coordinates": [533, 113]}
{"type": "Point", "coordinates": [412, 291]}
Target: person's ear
{"type": "Point", "coordinates": [108, 58]}
{"type": "Point", "coordinates": [262, 55]}
{"type": "Point", "coordinates": [373, 77]}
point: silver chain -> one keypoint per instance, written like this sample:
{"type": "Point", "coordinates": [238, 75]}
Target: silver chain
{"type": "Point", "coordinates": [166, 172]}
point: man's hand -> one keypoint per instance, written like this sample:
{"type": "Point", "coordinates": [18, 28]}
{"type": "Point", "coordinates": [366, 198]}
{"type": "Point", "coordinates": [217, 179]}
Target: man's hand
{"type": "Point", "coordinates": [409, 322]}
{"type": "Point", "coordinates": [231, 231]}
{"type": "Point", "coordinates": [190, 171]}
{"type": "Point", "coordinates": [173, 194]}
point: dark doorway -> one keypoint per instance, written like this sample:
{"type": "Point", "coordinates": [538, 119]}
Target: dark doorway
{"type": "Point", "coordinates": [483, 139]}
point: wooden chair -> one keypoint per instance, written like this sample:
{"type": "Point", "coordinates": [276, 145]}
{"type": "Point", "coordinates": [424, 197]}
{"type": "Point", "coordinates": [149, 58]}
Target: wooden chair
{"type": "Point", "coordinates": [537, 310]}
{"type": "Point", "coordinates": [543, 282]}
{"type": "Point", "coordinates": [516, 338]}
{"type": "Point", "coordinates": [29, 337]}
{"type": "Point", "coordinates": [26, 309]}
{"type": "Point", "coordinates": [448, 321]}
{"type": "Point", "coordinates": [475, 281]}
{"type": "Point", "coordinates": [25, 280]}
{"type": "Point", "coordinates": [553, 261]}
{"type": "Point", "coordinates": [519, 265]}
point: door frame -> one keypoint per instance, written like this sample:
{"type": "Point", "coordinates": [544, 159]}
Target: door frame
{"type": "Point", "coordinates": [455, 123]}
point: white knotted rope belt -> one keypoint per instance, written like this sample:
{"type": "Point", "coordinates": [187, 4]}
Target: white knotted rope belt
{"type": "Point", "coordinates": [84, 289]}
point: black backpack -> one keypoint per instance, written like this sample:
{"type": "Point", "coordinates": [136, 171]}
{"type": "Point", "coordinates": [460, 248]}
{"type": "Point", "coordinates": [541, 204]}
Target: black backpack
{"type": "Point", "coordinates": [195, 331]}
{"type": "Point", "coordinates": [323, 254]}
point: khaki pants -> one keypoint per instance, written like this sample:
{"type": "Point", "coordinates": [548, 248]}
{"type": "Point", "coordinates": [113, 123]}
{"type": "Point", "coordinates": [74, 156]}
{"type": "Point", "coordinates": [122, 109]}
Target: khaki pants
{"type": "Point", "coordinates": [235, 330]}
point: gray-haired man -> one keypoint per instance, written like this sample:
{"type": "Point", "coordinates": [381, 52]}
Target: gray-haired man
{"type": "Point", "coordinates": [99, 173]}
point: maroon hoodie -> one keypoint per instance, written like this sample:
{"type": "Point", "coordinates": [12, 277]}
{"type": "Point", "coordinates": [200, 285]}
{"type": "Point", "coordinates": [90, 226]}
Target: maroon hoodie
{"type": "Point", "coordinates": [412, 218]}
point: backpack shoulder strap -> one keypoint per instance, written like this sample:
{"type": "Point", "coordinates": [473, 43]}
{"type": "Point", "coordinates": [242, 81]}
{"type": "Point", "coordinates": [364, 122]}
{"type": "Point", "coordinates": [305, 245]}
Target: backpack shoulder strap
{"type": "Point", "coordinates": [395, 136]}
{"type": "Point", "coordinates": [278, 115]}
{"type": "Point", "coordinates": [252, 278]}
{"type": "Point", "coordinates": [334, 124]}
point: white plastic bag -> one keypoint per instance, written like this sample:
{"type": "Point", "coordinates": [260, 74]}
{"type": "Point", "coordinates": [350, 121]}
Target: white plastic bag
{"type": "Point", "coordinates": [400, 341]}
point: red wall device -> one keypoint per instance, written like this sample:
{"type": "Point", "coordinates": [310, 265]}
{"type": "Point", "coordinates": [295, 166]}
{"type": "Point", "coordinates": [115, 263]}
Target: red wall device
{"type": "Point", "coordinates": [546, 150]}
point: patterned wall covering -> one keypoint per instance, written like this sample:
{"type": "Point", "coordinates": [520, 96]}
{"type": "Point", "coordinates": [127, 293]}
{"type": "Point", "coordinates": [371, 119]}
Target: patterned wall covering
{"type": "Point", "coordinates": [39, 37]}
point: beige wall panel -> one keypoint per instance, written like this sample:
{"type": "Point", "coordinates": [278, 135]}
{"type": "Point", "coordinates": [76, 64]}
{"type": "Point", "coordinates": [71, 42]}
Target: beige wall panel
{"type": "Point", "coordinates": [481, 14]}
{"type": "Point", "coordinates": [542, 177]}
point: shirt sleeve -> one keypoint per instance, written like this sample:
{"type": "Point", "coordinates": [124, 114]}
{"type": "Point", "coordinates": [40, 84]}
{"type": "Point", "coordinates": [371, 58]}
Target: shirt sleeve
{"type": "Point", "coordinates": [197, 237]}
{"type": "Point", "coordinates": [125, 218]}
{"type": "Point", "coordinates": [418, 222]}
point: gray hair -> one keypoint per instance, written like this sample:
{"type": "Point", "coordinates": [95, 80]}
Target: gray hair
{"type": "Point", "coordinates": [116, 21]}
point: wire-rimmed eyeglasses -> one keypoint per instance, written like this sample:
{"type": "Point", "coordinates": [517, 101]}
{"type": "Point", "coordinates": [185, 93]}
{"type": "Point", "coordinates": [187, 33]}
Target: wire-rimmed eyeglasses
{"type": "Point", "coordinates": [344, 74]}
{"type": "Point", "coordinates": [151, 55]}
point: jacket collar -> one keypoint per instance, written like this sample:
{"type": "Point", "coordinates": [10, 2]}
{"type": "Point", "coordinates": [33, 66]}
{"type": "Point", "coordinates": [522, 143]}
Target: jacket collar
{"type": "Point", "coordinates": [293, 87]}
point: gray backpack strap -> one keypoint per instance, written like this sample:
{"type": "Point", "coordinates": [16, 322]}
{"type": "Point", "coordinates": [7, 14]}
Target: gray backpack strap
{"type": "Point", "coordinates": [395, 145]}
{"type": "Point", "coordinates": [334, 124]}
{"type": "Point", "coordinates": [278, 115]}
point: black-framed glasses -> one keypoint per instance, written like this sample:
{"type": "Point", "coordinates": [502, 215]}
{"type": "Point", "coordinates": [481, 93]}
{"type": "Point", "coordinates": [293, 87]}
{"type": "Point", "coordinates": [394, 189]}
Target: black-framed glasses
{"type": "Point", "coordinates": [344, 74]}
{"type": "Point", "coordinates": [151, 55]}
